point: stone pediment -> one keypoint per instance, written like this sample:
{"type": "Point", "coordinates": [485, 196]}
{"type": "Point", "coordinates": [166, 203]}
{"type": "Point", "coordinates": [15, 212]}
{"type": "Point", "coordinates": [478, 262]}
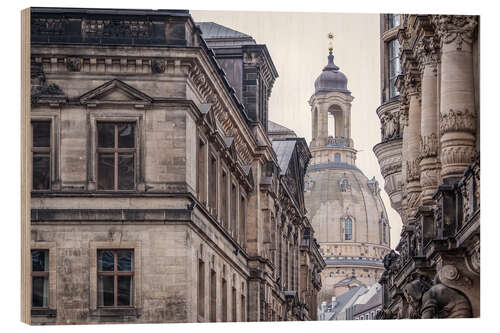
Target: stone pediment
{"type": "Point", "coordinates": [115, 92]}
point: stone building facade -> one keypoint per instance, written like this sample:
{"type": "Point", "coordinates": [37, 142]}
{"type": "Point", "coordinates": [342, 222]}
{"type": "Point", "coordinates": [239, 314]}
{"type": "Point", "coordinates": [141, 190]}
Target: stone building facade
{"type": "Point", "coordinates": [344, 206]}
{"type": "Point", "coordinates": [157, 194]}
{"type": "Point", "coordinates": [429, 157]}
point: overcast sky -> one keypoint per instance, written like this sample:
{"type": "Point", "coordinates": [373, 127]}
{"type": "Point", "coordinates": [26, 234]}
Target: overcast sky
{"type": "Point", "coordinates": [298, 45]}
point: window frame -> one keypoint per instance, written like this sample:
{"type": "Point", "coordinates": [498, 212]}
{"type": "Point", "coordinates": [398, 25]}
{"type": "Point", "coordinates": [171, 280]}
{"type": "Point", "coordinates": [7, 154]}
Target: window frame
{"type": "Point", "coordinates": [41, 150]}
{"type": "Point", "coordinates": [116, 151]}
{"type": "Point", "coordinates": [118, 245]}
{"type": "Point", "coordinates": [391, 77]}
{"type": "Point", "coordinates": [116, 273]}
{"type": "Point", "coordinates": [40, 274]}
{"type": "Point", "coordinates": [351, 228]}
{"type": "Point", "coordinates": [52, 297]}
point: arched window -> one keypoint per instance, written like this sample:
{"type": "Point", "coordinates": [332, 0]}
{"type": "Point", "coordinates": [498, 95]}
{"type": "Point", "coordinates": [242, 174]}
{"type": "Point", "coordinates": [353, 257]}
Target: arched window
{"type": "Point", "coordinates": [347, 228]}
{"type": "Point", "coordinates": [337, 157]}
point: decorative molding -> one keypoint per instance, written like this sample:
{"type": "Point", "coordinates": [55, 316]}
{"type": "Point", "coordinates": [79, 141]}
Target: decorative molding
{"type": "Point", "coordinates": [74, 64]}
{"type": "Point", "coordinates": [455, 28]}
{"type": "Point", "coordinates": [457, 121]}
{"type": "Point", "coordinates": [457, 155]}
{"type": "Point", "coordinates": [158, 66]}
{"type": "Point", "coordinates": [449, 274]}
{"type": "Point", "coordinates": [429, 145]}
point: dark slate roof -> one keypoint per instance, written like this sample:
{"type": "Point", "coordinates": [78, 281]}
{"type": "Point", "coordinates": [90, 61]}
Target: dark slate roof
{"type": "Point", "coordinates": [343, 299]}
{"type": "Point", "coordinates": [374, 301]}
{"type": "Point", "coordinates": [284, 150]}
{"type": "Point", "coordinates": [275, 128]}
{"type": "Point", "coordinates": [213, 30]}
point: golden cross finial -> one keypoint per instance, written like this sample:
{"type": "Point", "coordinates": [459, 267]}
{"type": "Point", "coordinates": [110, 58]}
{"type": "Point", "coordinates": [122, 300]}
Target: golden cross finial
{"type": "Point", "coordinates": [330, 41]}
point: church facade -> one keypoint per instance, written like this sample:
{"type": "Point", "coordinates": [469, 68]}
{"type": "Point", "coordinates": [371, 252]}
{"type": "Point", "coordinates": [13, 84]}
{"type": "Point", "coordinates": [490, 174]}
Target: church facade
{"type": "Point", "coordinates": [160, 193]}
{"type": "Point", "coordinates": [429, 157]}
{"type": "Point", "coordinates": [344, 206]}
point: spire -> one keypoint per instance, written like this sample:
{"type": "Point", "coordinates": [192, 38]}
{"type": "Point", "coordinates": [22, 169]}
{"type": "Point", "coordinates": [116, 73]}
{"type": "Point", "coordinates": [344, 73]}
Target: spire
{"type": "Point", "coordinates": [330, 66]}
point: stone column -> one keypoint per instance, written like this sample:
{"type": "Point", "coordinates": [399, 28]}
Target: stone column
{"type": "Point", "coordinates": [457, 112]}
{"type": "Point", "coordinates": [427, 50]}
{"type": "Point", "coordinates": [403, 121]}
{"type": "Point", "coordinates": [412, 135]}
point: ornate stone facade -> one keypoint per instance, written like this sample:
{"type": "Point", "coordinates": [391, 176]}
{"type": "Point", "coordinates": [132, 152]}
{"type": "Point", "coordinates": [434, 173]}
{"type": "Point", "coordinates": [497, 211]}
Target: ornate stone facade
{"type": "Point", "coordinates": [187, 186]}
{"type": "Point", "coordinates": [435, 273]}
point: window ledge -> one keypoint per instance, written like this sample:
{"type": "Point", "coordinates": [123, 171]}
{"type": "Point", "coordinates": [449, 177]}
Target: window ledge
{"type": "Point", "coordinates": [114, 312]}
{"type": "Point", "coordinates": [44, 312]}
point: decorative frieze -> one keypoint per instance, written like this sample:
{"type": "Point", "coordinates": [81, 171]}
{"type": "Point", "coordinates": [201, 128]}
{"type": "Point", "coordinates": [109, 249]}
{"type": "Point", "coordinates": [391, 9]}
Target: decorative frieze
{"type": "Point", "coordinates": [429, 145]}
{"type": "Point", "coordinates": [413, 170]}
{"type": "Point", "coordinates": [453, 155]}
{"type": "Point", "coordinates": [117, 28]}
{"type": "Point", "coordinates": [457, 120]}
{"type": "Point", "coordinates": [455, 28]}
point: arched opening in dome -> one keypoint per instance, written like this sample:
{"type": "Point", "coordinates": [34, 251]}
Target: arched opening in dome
{"type": "Point", "coordinates": [336, 122]}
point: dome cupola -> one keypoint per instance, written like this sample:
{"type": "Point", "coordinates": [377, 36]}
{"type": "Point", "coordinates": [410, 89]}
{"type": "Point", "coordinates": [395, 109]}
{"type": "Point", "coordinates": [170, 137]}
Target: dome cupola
{"type": "Point", "coordinates": [331, 79]}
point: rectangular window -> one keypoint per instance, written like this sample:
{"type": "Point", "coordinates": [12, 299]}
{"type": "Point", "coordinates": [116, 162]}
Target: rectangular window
{"type": "Point", "coordinates": [233, 304]}
{"type": "Point", "coordinates": [116, 153]}
{"type": "Point", "coordinates": [234, 202]}
{"type": "Point", "coordinates": [115, 278]}
{"type": "Point", "coordinates": [393, 20]}
{"type": "Point", "coordinates": [223, 199]}
{"type": "Point", "coordinates": [394, 67]}
{"type": "Point", "coordinates": [243, 214]}
{"type": "Point", "coordinates": [243, 308]}
{"type": "Point", "coordinates": [39, 278]}
{"type": "Point", "coordinates": [212, 172]}
{"type": "Point", "coordinates": [202, 163]}
{"type": "Point", "coordinates": [41, 155]}
{"type": "Point", "coordinates": [201, 289]}
{"type": "Point", "coordinates": [224, 300]}
{"type": "Point", "coordinates": [213, 296]}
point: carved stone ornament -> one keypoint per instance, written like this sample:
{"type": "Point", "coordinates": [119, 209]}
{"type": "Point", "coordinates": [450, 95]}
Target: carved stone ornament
{"type": "Point", "coordinates": [413, 170]}
{"type": "Point", "coordinates": [429, 145]}
{"type": "Point", "coordinates": [158, 66]}
{"type": "Point", "coordinates": [449, 274]}
{"type": "Point", "coordinates": [390, 126]}
{"type": "Point", "coordinates": [455, 28]}
{"type": "Point", "coordinates": [74, 64]}
{"type": "Point", "coordinates": [457, 121]}
{"type": "Point", "coordinates": [427, 50]}
{"type": "Point", "coordinates": [457, 155]}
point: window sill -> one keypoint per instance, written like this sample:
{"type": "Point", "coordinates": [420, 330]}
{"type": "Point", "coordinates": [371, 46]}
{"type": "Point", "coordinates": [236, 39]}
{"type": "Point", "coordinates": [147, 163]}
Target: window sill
{"type": "Point", "coordinates": [115, 312]}
{"type": "Point", "coordinates": [44, 312]}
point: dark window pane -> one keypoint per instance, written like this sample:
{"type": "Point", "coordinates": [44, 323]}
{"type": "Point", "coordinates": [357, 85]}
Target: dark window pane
{"type": "Point", "coordinates": [40, 261]}
{"type": "Point", "coordinates": [125, 171]}
{"type": "Point", "coordinates": [106, 171]}
{"type": "Point", "coordinates": [41, 134]}
{"type": "Point", "coordinates": [41, 171]}
{"type": "Point", "coordinates": [126, 138]}
{"type": "Point", "coordinates": [125, 285]}
{"type": "Point", "coordinates": [125, 261]}
{"type": "Point", "coordinates": [40, 292]}
{"type": "Point", "coordinates": [106, 135]}
{"type": "Point", "coordinates": [106, 290]}
{"type": "Point", "coordinates": [106, 261]}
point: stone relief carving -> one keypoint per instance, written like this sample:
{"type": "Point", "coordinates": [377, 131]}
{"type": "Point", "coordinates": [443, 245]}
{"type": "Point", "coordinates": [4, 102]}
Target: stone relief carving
{"type": "Point", "coordinates": [429, 145]}
{"type": "Point", "coordinates": [158, 66]}
{"type": "Point", "coordinates": [455, 28]}
{"type": "Point", "coordinates": [390, 126]}
{"type": "Point", "coordinates": [457, 155]}
{"type": "Point", "coordinates": [457, 121]}
{"type": "Point", "coordinates": [428, 177]}
{"type": "Point", "coordinates": [428, 301]}
{"type": "Point", "coordinates": [118, 28]}
{"type": "Point", "coordinates": [74, 64]}
{"type": "Point", "coordinates": [413, 170]}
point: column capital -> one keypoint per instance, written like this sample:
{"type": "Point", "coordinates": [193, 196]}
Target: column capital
{"type": "Point", "coordinates": [427, 52]}
{"type": "Point", "coordinates": [456, 29]}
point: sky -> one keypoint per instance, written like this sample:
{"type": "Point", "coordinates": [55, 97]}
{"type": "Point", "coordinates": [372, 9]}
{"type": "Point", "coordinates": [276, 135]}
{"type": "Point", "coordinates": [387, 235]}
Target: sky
{"type": "Point", "coordinates": [298, 45]}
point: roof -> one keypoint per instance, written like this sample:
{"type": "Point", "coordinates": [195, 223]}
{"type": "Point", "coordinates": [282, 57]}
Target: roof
{"type": "Point", "coordinates": [284, 150]}
{"type": "Point", "coordinates": [211, 30]}
{"type": "Point", "coordinates": [344, 299]}
{"type": "Point", "coordinates": [273, 127]}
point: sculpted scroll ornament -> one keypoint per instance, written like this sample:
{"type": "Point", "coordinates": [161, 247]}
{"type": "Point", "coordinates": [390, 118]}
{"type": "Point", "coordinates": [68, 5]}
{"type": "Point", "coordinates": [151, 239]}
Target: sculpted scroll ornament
{"type": "Point", "coordinates": [457, 121]}
{"type": "Point", "coordinates": [427, 50]}
{"type": "Point", "coordinates": [455, 28]}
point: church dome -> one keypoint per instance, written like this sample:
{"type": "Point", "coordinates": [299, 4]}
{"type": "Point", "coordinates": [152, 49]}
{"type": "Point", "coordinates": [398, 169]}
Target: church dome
{"type": "Point", "coordinates": [331, 79]}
